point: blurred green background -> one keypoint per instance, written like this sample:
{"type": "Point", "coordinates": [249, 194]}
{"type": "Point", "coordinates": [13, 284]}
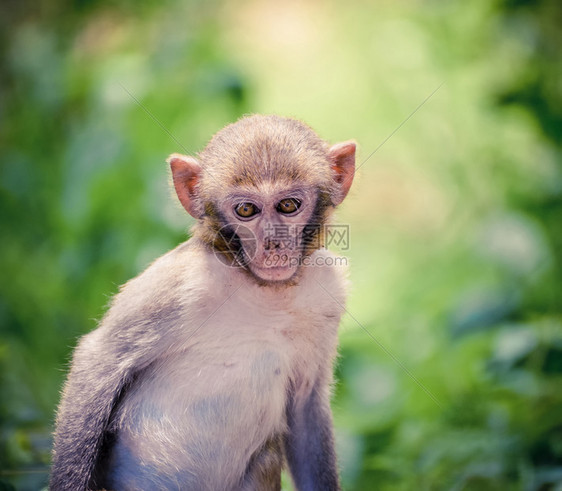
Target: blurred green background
{"type": "Point", "coordinates": [455, 222]}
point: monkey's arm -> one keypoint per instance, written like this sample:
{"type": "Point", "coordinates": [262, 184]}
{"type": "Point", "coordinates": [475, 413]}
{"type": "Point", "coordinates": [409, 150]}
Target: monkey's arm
{"type": "Point", "coordinates": [96, 381]}
{"type": "Point", "coordinates": [143, 322]}
{"type": "Point", "coordinates": [309, 443]}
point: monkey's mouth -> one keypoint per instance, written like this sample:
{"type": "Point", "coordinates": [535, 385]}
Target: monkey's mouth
{"type": "Point", "coordinates": [275, 272]}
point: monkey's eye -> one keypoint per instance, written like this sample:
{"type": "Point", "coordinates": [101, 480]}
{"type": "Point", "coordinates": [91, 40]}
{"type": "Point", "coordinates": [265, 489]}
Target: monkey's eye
{"type": "Point", "coordinates": [246, 210]}
{"type": "Point", "coordinates": [288, 205]}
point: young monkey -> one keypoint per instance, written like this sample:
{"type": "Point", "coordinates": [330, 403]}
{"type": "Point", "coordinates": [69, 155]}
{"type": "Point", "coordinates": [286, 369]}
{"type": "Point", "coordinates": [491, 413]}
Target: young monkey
{"type": "Point", "coordinates": [212, 368]}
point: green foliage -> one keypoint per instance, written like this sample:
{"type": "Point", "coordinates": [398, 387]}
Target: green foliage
{"type": "Point", "coordinates": [455, 222]}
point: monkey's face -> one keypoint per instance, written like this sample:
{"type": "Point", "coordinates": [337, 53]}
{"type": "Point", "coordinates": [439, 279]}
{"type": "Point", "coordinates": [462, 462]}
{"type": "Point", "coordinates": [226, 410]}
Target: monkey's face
{"type": "Point", "coordinates": [269, 230]}
{"type": "Point", "coordinates": [262, 190]}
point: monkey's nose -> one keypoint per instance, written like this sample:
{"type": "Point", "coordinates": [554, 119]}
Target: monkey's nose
{"type": "Point", "coordinates": [271, 243]}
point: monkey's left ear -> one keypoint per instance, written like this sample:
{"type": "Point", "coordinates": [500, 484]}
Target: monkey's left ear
{"type": "Point", "coordinates": [342, 160]}
{"type": "Point", "coordinates": [185, 174]}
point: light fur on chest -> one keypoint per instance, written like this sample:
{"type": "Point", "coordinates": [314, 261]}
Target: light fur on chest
{"type": "Point", "coordinates": [224, 381]}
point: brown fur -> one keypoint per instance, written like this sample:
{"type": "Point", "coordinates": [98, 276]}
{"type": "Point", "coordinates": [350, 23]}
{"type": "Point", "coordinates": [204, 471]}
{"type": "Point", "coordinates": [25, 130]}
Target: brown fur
{"type": "Point", "coordinates": [257, 150]}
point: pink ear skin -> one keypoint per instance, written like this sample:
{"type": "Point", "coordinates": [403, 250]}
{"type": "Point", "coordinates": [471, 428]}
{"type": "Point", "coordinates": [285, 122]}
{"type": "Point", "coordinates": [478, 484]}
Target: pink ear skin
{"type": "Point", "coordinates": [342, 158]}
{"type": "Point", "coordinates": [185, 173]}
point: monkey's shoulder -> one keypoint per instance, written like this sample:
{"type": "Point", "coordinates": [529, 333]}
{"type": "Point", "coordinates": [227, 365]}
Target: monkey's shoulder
{"type": "Point", "coordinates": [178, 292]}
{"type": "Point", "coordinates": [328, 272]}
{"type": "Point", "coordinates": [172, 284]}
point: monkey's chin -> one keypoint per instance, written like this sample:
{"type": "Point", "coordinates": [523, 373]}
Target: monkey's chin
{"type": "Point", "coordinates": [275, 274]}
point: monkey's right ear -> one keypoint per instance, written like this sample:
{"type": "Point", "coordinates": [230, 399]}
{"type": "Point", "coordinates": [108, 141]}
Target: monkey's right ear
{"type": "Point", "coordinates": [185, 174]}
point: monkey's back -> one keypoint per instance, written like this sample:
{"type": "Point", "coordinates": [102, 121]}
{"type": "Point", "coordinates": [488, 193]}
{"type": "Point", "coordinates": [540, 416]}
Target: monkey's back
{"type": "Point", "coordinates": [217, 393]}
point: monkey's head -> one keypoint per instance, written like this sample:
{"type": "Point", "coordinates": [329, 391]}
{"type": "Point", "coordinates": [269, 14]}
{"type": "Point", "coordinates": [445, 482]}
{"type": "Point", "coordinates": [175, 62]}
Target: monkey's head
{"type": "Point", "coordinates": [262, 192]}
